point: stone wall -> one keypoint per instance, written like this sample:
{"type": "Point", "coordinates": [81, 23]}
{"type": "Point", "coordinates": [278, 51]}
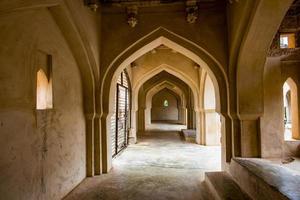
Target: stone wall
{"type": "Point", "coordinates": [43, 153]}
{"type": "Point", "coordinates": [277, 70]}
{"type": "Point", "coordinates": [159, 111]}
{"type": "Point", "coordinates": [209, 31]}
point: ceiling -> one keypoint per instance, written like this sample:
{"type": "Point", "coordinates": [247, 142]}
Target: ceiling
{"type": "Point", "coordinates": [150, 3]}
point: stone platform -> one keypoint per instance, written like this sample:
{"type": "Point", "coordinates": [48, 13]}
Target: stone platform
{"type": "Point", "coordinates": [263, 180]}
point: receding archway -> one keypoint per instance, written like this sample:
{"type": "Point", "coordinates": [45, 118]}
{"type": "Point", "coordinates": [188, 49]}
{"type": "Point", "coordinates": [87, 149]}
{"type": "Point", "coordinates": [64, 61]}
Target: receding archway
{"type": "Point", "coordinates": [155, 84]}
{"type": "Point", "coordinates": [174, 72]}
{"type": "Point", "coordinates": [187, 48]}
{"type": "Point", "coordinates": [182, 104]}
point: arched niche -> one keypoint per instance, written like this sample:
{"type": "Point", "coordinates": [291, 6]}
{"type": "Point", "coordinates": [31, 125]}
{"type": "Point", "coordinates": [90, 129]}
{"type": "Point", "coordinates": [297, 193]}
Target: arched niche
{"type": "Point", "coordinates": [181, 45]}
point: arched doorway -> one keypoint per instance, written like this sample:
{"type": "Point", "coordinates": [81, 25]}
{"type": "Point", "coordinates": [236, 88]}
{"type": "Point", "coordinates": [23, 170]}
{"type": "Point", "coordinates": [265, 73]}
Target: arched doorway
{"type": "Point", "coordinates": [157, 38]}
{"type": "Point", "coordinates": [290, 107]}
{"type": "Point", "coordinates": [154, 85]}
{"type": "Point", "coordinates": [182, 104]}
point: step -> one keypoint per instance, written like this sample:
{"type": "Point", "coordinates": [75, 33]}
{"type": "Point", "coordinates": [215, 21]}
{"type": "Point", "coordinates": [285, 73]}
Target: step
{"type": "Point", "coordinates": [223, 187]}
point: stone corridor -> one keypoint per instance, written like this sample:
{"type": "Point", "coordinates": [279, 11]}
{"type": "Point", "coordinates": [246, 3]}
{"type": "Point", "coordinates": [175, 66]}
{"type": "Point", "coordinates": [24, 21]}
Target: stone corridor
{"type": "Point", "coordinates": [161, 166]}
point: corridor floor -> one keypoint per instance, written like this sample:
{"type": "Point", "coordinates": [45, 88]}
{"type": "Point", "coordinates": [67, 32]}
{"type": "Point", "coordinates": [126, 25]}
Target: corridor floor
{"type": "Point", "coordinates": [161, 166]}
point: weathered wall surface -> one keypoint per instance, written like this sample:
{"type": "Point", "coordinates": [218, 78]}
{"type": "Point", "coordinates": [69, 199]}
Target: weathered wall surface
{"type": "Point", "coordinates": [42, 152]}
{"type": "Point", "coordinates": [209, 31]}
{"type": "Point", "coordinates": [159, 111]}
{"type": "Point", "coordinates": [272, 126]}
{"type": "Point", "coordinates": [212, 123]}
{"type": "Point", "coordinates": [272, 121]}
{"type": "Point", "coordinates": [88, 23]}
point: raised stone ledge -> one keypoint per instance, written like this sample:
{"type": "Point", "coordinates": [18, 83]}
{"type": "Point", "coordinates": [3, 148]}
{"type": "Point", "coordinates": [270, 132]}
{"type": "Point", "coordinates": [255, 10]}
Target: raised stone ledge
{"type": "Point", "coordinates": [263, 180]}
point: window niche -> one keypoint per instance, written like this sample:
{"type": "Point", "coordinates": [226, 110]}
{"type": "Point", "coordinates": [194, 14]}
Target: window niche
{"type": "Point", "coordinates": [287, 41]}
{"type": "Point", "coordinates": [166, 103]}
{"type": "Point", "coordinates": [44, 93]}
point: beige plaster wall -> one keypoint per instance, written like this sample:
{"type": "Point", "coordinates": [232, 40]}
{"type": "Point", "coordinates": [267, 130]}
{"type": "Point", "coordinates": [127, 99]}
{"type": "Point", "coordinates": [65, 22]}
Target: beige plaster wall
{"type": "Point", "coordinates": [208, 32]}
{"type": "Point", "coordinates": [248, 49]}
{"type": "Point", "coordinates": [212, 124]}
{"type": "Point", "coordinates": [161, 113]}
{"type": "Point", "coordinates": [88, 23]}
{"type": "Point", "coordinates": [212, 128]}
{"type": "Point", "coordinates": [272, 121]}
{"type": "Point", "coordinates": [272, 126]}
{"type": "Point", "coordinates": [43, 153]}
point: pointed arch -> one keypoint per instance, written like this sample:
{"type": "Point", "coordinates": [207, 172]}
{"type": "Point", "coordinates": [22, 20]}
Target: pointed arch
{"type": "Point", "coordinates": [162, 36]}
{"type": "Point", "coordinates": [165, 80]}
{"type": "Point", "coordinates": [290, 87]}
{"type": "Point", "coordinates": [161, 86]}
{"type": "Point", "coordinates": [171, 70]}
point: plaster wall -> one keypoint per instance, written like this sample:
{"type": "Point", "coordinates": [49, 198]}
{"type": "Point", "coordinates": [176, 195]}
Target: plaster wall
{"type": "Point", "coordinates": [161, 113]}
{"type": "Point", "coordinates": [212, 129]}
{"type": "Point", "coordinates": [272, 127]}
{"type": "Point", "coordinates": [88, 23]}
{"type": "Point", "coordinates": [208, 32]}
{"type": "Point", "coordinates": [209, 94]}
{"type": "Point", "coordinates": [272, 121]}
{"type": "Point", "coordinates": [212, 125]}
{"type": "Point", "coordinates": [43, 153]}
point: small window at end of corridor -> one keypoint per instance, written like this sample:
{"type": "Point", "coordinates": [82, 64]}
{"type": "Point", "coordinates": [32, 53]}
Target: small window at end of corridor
{"type": "Point", "coordinates": [287, 40]}
{"type": "Point", "coordinates": [166, 103]}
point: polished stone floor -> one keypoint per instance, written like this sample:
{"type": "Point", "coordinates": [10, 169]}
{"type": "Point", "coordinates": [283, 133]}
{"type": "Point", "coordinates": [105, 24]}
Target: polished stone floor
{"type": "Point", "coordinates": [159, 167]}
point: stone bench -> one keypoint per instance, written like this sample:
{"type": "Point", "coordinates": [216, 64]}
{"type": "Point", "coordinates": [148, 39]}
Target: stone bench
{"type": "Point", "coordinates": [189, 135]}
{"type": "Point", "coordinates": [264, 180]}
